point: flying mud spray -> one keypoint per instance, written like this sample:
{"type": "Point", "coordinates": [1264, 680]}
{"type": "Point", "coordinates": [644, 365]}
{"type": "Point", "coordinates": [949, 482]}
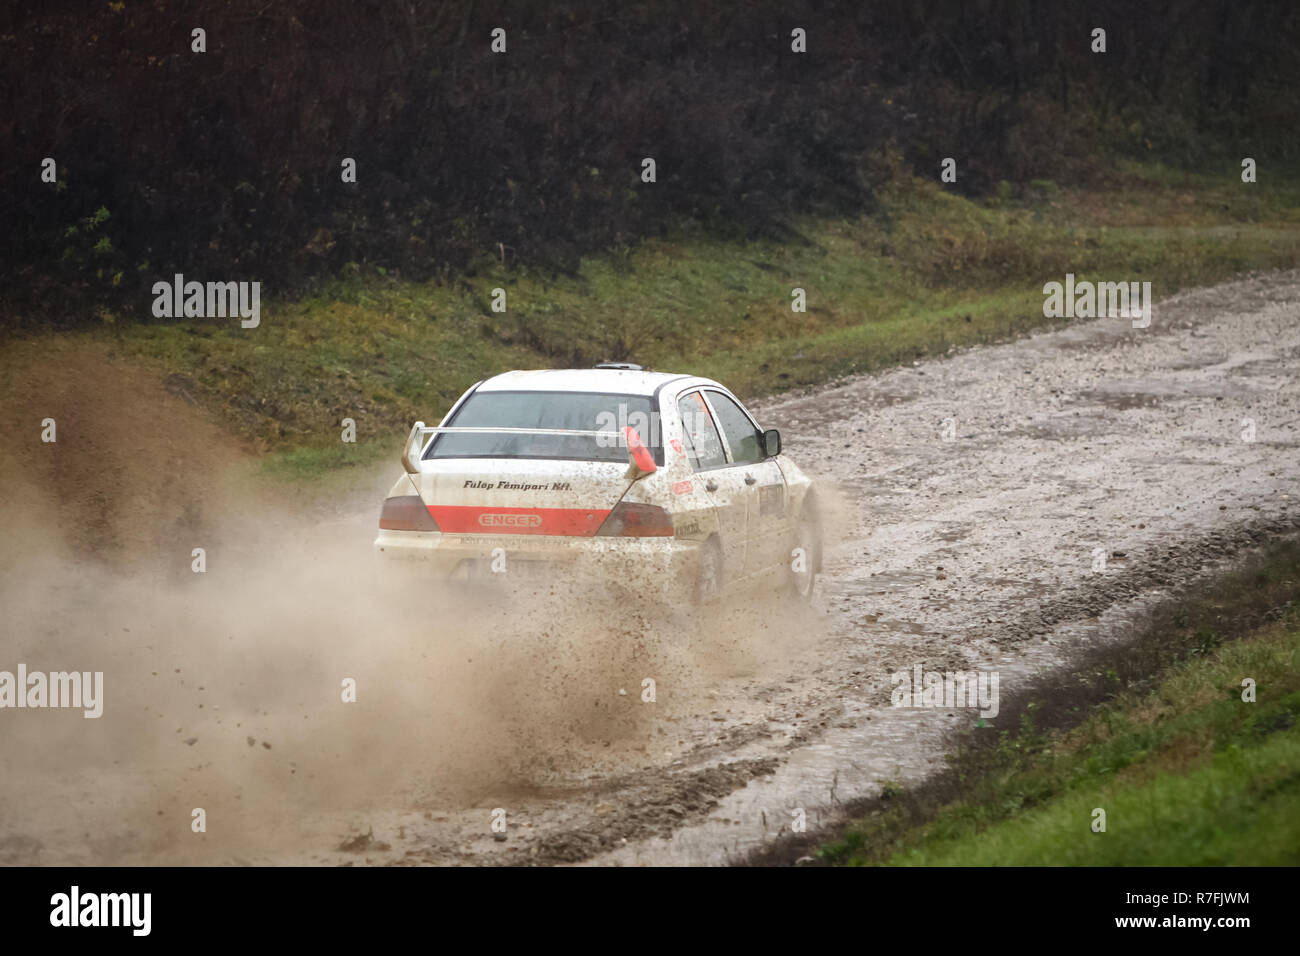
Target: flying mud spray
{"type": "Point", "coordinates": [262, 699]}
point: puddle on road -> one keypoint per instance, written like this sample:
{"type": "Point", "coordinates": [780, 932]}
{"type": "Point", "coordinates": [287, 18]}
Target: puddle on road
{"type": "Point", "coordinates": [1120, 400]}
{"type": "Point", "coordinates": [1073, 426]}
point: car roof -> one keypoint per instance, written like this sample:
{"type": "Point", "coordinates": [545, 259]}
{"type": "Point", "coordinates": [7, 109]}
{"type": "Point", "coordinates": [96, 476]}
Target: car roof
{"type": "Point", "coordinates": [612, 380]}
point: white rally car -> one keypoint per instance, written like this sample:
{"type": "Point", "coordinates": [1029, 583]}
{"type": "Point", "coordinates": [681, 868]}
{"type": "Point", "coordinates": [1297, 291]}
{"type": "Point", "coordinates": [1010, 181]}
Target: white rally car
{"type": "Point", "coordinates": [662, 482]}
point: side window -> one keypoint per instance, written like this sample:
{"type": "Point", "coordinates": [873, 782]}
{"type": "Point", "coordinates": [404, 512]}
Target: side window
{"type": "Point", "coordinates": [703, 446]}
{"type": "Point", "coordinates": [742, 437]}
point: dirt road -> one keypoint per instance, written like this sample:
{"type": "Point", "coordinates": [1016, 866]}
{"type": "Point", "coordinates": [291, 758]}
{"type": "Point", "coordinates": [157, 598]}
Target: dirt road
{"type": "Point", "coordinates": [1000, 509]}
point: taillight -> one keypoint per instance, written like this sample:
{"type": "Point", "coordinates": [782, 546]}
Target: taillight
{"type": "Point", "coordinates": [406, 513]}
{"type": "Point", "coordinates": [632, 520]}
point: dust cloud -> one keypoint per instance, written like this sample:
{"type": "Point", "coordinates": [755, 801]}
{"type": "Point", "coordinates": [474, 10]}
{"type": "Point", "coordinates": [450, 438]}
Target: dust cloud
{"type": "Point", "coordinates": [223, 690]}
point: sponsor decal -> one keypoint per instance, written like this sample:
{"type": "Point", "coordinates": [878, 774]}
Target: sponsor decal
{"type": "Point", "coordinates": [514, 485]}
{"type": "Point", "coordinates": [771, 500]}
{"type": "Point", "coordinates": [683, 488]}
{"type": "Point", "coordinates": [466, 519]}
{"type": "Point", "coordinates": [510, 521]}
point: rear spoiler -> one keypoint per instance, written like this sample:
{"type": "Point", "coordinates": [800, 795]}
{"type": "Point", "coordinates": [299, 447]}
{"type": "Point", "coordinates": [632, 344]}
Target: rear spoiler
{"type": "Point", "coordinates": [415, 442]}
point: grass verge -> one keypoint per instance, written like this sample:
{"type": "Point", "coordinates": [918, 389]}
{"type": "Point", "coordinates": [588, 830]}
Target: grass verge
{"type": "Point", "coordinates": [1187, 772]}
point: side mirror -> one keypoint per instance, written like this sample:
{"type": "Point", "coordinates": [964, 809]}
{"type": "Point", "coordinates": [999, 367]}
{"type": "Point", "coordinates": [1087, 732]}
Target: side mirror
{"type": "Point", "coordinates": [640, 461]}
{"type": "Point", "coordinates": [410, 461]}
{"type": "Point", "coordinates": [771, 443]}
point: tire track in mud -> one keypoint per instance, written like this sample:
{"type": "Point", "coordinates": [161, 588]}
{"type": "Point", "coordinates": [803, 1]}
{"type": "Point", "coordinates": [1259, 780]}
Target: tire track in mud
{"type": "Point", "coordinates": [646, 804]}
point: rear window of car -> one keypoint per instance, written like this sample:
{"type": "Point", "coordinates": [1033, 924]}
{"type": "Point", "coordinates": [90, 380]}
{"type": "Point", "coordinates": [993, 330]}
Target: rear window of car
{"type": "Point", "coordinates": [602, 412]}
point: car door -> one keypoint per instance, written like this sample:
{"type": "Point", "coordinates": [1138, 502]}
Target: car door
{"type": "Point", "coordinates": [725, 485]}
{"type": "Point", "coordinates": [765, 492]}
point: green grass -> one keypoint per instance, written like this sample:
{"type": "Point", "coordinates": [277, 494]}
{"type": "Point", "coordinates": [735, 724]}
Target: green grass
{"type": "Point", "coordinates": [1216, 786]}
{"type": "Point", "coordinates": [1188, 774]}
{"type": "Point", "coordinates": [318, 461]}
{"type": "Point", "coordinates": [928, 271]}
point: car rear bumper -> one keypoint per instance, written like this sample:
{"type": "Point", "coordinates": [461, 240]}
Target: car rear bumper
{"type": "Point", "coordinates": [665, 568]}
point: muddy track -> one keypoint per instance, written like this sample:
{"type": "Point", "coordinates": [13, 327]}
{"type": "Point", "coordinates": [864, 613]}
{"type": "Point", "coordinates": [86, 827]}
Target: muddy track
{"type": "Point", "coordinates": [977, 497]}
{"type": "Point", "coordinates": [973, 552]}
{"type": "Point", "coordinates": [978, 551]}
